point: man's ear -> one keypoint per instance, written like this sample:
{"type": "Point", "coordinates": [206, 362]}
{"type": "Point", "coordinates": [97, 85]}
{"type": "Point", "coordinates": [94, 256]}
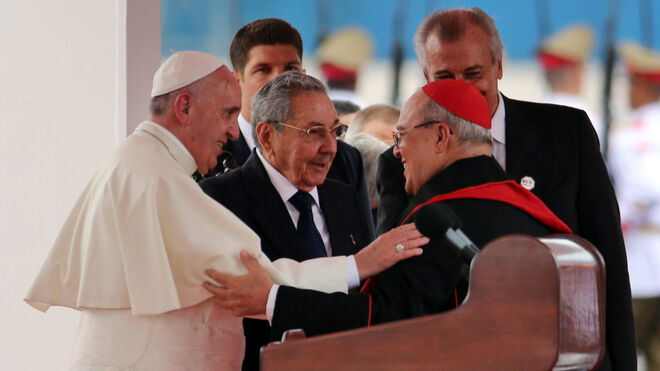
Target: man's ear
{"type": "Point", "coordinates": [182, 103]}
{"type": "Point", "coordinates": [443, 137]}
{"type": "Point", "coordinates": [265, 132]}
{"type": "Point", "coordinates": [237, 75]}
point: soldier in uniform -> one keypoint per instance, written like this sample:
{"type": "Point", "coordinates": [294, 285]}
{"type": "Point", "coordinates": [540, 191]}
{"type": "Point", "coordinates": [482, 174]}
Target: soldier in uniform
{"type": "Point", "coordinates": [340, 55]}
{"type": "Point", "coordinates": [635, 158]}
{"type": "Point", "coordinates": [562, 58]}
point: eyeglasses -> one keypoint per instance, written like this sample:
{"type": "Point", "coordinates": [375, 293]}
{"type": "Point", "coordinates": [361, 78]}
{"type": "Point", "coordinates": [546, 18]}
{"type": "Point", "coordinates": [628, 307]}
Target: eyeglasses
{"type": "Point", "coordinates": [396, 135]}
{"type": "Point", "coordinates": [319, 132]}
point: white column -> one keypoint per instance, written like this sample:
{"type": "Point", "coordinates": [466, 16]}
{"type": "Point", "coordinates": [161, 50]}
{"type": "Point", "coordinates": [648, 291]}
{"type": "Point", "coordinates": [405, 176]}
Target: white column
{"type": "Point", "coordinates": [75, 78]}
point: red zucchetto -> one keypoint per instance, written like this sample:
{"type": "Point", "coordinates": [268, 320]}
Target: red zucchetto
{"type": "Point", "coordinates": [460, 98]}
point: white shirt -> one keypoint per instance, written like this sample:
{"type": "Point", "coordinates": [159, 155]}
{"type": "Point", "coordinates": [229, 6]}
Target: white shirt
{"type": "Point", "coordinates": [498, 130]}
{"type": "Point", "coordinates": [246, 130]}
{"type": "Point", "coordinates": [286, 190]}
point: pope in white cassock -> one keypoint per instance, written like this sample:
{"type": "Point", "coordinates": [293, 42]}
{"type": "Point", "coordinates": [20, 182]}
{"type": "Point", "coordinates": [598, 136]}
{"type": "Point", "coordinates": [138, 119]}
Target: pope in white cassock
{"type": "Point", "coordinates": [132, 253]}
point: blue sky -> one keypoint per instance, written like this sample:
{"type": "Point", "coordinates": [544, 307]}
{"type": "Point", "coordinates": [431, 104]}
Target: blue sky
{"type": "Point", "coordinates": [208, 25]}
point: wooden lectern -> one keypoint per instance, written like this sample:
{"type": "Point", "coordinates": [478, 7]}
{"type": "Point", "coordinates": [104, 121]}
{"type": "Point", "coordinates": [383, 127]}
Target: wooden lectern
{"type": "Point", "coordinates": [533, 304]}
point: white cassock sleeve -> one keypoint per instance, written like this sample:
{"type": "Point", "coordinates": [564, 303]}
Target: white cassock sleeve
{"type": "Point", "coordinates": [143, 232]}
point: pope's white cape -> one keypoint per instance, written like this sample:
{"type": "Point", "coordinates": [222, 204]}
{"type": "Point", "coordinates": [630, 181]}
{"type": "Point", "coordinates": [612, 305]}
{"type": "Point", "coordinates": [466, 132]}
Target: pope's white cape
{"type": "Point", "coordinates": [142, 233]}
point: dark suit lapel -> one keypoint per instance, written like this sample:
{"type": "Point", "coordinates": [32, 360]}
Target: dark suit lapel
{"type": "Point", "coordinates": [526, 152]}
{"type": "Point", "coordinates": [515, 144]}
{"type": "Point", "coordinates": [524, 144]}
{"type": "Point", "coordinates": [338, 223]}
{"type": "Point", "coordinates": [269, 212]}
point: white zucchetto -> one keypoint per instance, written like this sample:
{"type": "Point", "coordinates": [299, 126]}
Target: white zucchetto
{"type": "Point", "coordinates": [183, 68]}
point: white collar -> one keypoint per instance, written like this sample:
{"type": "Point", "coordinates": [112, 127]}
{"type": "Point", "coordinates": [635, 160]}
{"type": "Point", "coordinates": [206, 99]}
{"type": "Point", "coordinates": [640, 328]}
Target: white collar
{"type": "Point", "coordinates": [283, 186]}
{"type": "Point", "coordinates": [497, 127]}
{"type": "Point", "coordinates": [246, 130]}
{"type": "Point", "coordinates": [173, 145]}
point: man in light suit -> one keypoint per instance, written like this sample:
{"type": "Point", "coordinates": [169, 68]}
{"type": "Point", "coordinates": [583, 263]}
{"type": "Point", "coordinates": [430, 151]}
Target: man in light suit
{"type": "Point", "coordinates": [295, 127]}
{"type": "Point", "coordinates": [551, 150]}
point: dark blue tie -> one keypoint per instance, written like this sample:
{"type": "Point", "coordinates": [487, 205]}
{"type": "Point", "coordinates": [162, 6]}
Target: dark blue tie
{"type": "Point", "coordinates": [306, 228]}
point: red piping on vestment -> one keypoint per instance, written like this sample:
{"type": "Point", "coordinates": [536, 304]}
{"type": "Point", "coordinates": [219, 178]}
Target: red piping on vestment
{"type": "Point", "coordinates": [369, 319]}
{"type": "Point", "coordinates": [508, 192]}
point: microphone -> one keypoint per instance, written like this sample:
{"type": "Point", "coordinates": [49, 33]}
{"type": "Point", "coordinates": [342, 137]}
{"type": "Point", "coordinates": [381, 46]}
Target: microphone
{"type": "Point", "coordinates": [228, 162]}
{"type": "Point", "coordinates": [439, 221]}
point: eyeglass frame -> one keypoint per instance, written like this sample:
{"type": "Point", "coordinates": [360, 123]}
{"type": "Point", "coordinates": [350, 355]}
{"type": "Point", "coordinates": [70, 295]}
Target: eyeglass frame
{"type": "Point", "coordinates": [308, 131]}
{"type": "Point", "coordinates": [397, 134]}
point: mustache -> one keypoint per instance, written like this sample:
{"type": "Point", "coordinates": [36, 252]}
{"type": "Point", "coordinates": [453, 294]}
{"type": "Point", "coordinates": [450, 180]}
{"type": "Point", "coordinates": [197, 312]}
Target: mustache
{"type": "Point", "coordinates": [322, 159]}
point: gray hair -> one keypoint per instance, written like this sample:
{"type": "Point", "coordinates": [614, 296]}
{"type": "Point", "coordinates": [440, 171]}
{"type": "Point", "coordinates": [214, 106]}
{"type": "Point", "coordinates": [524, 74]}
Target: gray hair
{"type": "Point", "coordinates": [272, 103]}
{"type": "Point", "coordinates": [451, 24]}
{"type": "Point", "coordinates": [465, 130]}
{"type": "Point", "coordinates": [370, 149]}
{"type": "Point", "coordinates": [385, 112]}
{"type": "Point", "coordinates": [160, 104]}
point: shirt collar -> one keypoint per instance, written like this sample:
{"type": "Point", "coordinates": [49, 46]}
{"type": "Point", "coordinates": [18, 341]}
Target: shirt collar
{"type": "Point", "coordinates": [246, 130]}
{"type": "Point", "coordinates": [173, 145]}
{"type": "Point", "coordinates": [283, 186]}
{"type": "Point", "coordinates": [497, 128]}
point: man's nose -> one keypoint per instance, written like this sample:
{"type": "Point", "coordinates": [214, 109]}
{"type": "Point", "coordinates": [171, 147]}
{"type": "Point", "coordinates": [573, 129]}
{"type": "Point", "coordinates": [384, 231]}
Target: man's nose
{"type": "Point", "coordinates": [396, 152]}
{"type": "Point", "coordinates": [234, 131]}
{"type": "Point", "coordinates": [329, 144]}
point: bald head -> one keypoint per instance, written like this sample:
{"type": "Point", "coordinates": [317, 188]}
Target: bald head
{"type": "Point", "coordinates": [433, 132]}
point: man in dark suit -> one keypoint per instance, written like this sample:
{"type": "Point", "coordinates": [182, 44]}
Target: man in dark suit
{"type": "Point", "coordinates": [281, 192]}
{"type": "Point", "coordinates": [443, 137]}
{"type": "Point", "coordinates": [261, 50]}
{"type": "Point", "coordinates": [551, 150]}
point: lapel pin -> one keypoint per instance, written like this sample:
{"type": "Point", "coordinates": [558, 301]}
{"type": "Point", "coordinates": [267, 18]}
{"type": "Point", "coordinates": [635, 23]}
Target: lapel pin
{"type": "Point", "coordinates": [527, 182]}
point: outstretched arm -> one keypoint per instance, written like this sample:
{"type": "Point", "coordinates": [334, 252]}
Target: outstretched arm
{"type": "Point", "coordinates": [248, 294]}
{"type": "Point", "coordinates": [383, 253]}
{"type": "Point", "coordinates": [243, 295]}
